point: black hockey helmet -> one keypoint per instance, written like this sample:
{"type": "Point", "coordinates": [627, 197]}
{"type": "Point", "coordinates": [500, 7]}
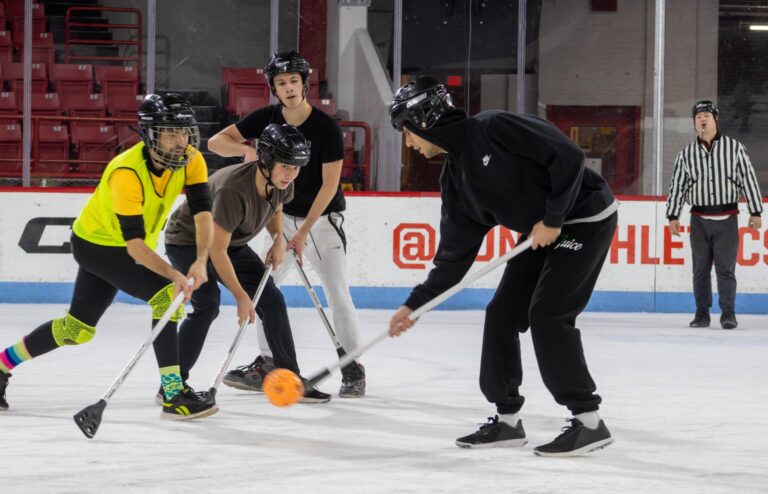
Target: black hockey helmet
{"type": "Point", "coordinates": [284, 63]}
{"type": "Point", "coordinates": [421, 102]}
{"type": "Point", "coordinates": [705, 106]}
{"type": "Point", "coordinates": [282, 143]}
{"type": "Point", "coordinates": [162, 113]}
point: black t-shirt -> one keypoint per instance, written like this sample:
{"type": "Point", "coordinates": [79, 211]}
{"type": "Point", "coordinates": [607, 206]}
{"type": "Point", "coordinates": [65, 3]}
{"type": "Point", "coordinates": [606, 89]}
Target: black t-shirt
{"type": "Point", "coordinates": [327, 146]}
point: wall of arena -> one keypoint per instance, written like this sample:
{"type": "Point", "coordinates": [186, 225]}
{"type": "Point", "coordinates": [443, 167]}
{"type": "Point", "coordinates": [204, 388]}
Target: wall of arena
{"type": "Point", "coordinates": [391, 241]}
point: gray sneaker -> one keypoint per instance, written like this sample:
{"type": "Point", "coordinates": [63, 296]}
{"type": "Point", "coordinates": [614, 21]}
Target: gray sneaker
{"type": "Point", "coordinates": [312, 394]}
{"type": "Point", "coordinates": [250, 377]}
{"type": "Point", "coordinates": [495, 434]}
{"type": "Point", "coordinates": [576, 439]}
{"type": "Point", "coordinates": [352, 381]}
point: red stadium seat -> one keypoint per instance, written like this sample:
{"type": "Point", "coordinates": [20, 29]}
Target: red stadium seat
{"type": "Point", "coordinates": [243, 82]}
{"type": "Point", "coordinates": [246, 104]}
{"type": "Point", "coordinates": [16, 14]}
{"type": "Point", "coordinates": [10, 150]}
{"type": "Point", "coordinates": [72, 78]}
{"type": "Point", "coordinates": [95, 144]}
{"type": "Point", "coordinates": [45, 104]}
{"type": "Point", "coordinates": [126, 137]}
{"type": "Point", "coordinates": [124, 105]}
{"type": "Point", "coordinates": [54, 145]}
{"type": "Point", "coordinates": [84, 105]}
{"type": "Point", "coordinates": [250, 75]}
{"type": "Point", "coordinates": [39, 77]}
{"type": "Point", "coordinates": [115, 80]}
{"type": "Point", "coordinates": [9, 105]}
{"type": "Point", "coordinates": [6, 47]}
{"type": "Point", "coordinates": [327, 105]}
{"type": "Point", "coordinates": [42, 48]}
{"type": "Point", "coordinates": [314, 86]}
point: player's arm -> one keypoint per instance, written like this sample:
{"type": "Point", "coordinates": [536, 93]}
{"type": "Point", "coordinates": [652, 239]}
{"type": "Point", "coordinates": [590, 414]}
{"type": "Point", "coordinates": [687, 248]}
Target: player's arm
{"type": "Point", "coordinates": [230, 142]}
{"type": "Point", "coordinates": [331, 177]}
{"type": "Point", "coordinates": [276, 253]}
{"type": "Point", "coordinates": [200, 204]}
{"type": "Point", "coordinates": [226, 271]}
{"type": "Point", "coordinates": [460, 240]}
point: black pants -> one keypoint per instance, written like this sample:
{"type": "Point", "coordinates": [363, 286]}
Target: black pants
{"type": "Point", "coordinates": [271, 307]}
{"type": "Point", "coordinates": [101, 273]}
{"type": "Point", "coordinates": [545, 290]}
{"type": "Point", "coordinates": [718, 241]}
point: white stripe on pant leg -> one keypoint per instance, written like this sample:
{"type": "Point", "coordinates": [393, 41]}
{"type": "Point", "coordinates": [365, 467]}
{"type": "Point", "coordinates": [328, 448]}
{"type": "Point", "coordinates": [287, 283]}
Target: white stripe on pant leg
{"type": "Point", "coordinates": [331, 266]}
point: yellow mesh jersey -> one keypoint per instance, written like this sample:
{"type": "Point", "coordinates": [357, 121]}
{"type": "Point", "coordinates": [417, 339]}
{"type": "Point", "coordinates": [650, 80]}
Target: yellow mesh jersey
{"type": "Point", "coordinates": [127, 187]}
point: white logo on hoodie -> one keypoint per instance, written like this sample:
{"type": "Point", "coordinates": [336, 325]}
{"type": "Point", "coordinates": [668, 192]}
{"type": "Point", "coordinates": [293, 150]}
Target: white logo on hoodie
{"type": "Point", "coordinates": [486, 159]}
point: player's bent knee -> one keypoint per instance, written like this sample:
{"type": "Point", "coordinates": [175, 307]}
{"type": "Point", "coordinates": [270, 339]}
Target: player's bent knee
{"type": "Point", "coordinates": [161, 301]}
{"type": "Point", "coordinates": [68, 330]}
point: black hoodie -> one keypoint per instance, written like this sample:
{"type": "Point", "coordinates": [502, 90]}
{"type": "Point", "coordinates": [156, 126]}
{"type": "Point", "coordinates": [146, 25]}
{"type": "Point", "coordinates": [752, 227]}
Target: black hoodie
{"type": "Point", "coordinates": [504, 169]}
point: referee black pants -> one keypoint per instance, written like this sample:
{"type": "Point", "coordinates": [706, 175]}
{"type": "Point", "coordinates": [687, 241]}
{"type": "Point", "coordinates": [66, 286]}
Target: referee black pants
{"type": "Point", "coordinates": [205, 301]}
{"type": "Point", "coordinates": [714, 241]}
{"type": "Point", "coordinates": [545, 290]}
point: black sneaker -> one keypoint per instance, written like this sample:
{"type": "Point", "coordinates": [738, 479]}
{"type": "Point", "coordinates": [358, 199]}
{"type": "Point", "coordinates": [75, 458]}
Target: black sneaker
{"type": "Point", "coordinates": [189, 405]}
{"type": "Point", "coordinates": [160, 396]}
{"type": "Point", "coordinates": [3, 384]}
{"type": "Point", "coordinates": [576, 439]}
{"type": "Point", "coordinates": [728, 320]}
{"type": "Point", "coordinates": [701, 319]}
{"type": "Point", "coordinates": [250, 377]}
{"type": "Point", "coordinates": [495, 434]}
{"type": "Point", "coordinates": [352, 381]}
{"type": "Point", "coordinates": [313, 395]}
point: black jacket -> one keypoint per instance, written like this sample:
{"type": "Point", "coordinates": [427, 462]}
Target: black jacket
{"type": "Point", "coordinates": [504, 169]}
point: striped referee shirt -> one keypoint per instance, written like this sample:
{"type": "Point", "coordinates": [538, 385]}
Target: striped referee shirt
{"type": "Point", "coordinates": [711, 180]}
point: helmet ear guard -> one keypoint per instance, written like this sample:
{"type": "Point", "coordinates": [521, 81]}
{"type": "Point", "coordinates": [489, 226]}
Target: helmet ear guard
{"type": "Point", "coordinates": [421, 102]}
{"type": "Point", "coordinates": [284, 144]}
{"type": "Point", "coordinates": [169, 113]}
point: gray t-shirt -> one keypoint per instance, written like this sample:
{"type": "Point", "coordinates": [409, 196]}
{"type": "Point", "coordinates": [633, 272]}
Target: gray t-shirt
{"type": "Point", "coordinates": [237, 207]}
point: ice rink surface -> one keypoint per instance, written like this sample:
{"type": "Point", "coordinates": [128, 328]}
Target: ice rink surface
{"type": "Point", "coordinates": [687, 409]}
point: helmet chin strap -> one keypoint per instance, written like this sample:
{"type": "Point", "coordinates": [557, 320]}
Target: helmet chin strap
{"type": "Point", "coordinates": [267, 192]}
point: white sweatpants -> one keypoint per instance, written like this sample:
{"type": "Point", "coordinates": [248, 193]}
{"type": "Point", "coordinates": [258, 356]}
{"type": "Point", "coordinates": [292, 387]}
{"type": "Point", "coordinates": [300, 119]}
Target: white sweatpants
{"type": "Point", "coordinates": [325, 253]}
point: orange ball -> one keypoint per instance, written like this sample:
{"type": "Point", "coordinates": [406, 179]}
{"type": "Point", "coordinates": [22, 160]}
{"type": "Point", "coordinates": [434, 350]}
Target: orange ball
{"type": "Point", "coordinates": [283, 387]}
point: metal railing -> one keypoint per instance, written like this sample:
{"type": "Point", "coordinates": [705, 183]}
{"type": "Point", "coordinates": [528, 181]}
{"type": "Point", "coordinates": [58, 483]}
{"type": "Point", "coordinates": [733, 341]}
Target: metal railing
{"type": "Point", "coordinates": [71, 41]}
{"type": "Point", "coordinates": [364, 166]}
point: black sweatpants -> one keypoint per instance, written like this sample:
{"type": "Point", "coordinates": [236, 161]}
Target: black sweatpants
{"type": "Point", "coordinates": [545, 290]}
{"type": "Point", "coordinates": [718, 241]}
{"type": "Point", "coordinates": [101, 273]}
{"type": "Point", "coordinates": [271, 307]}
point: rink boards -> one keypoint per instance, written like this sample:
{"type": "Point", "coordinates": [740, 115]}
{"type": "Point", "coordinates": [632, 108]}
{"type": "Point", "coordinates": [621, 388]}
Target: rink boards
{"type": "Point", "coordinates": [391, 239]}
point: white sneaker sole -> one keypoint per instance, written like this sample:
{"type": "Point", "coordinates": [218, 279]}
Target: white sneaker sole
{"type": "Point", "coordinates": [589, 448]}
{"type": "Point", "coordinates": [509, 443]}
{"type": "Point", "coordinates": [205, 413]}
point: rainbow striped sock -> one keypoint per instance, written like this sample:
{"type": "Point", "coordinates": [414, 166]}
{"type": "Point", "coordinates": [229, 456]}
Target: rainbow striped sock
{"type": "Point", "coordinates": [13, 356]}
